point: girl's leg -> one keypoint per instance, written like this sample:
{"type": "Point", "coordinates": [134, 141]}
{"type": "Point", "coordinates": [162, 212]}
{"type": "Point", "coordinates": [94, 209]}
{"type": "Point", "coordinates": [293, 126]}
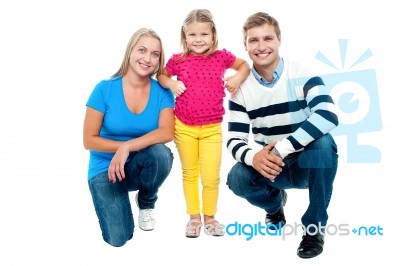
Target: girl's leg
{"type": "Point", "coordinates": [210, 152]}
{"type": "Point", "coordinates": [186, 140]}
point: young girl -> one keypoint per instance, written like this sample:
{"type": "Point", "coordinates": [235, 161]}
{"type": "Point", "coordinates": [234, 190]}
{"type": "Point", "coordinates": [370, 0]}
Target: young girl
{"type": "Point", "coordinates": [199, 91]}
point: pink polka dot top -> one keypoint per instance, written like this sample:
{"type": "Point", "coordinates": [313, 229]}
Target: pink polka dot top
{"type": "Point", "coordinates": [202, 102]}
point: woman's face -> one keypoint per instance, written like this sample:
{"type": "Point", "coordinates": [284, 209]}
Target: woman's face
{"type": "Point", "coordinates": [145, 56]}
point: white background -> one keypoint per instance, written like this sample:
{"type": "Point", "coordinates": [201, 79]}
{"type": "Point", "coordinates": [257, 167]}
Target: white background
{"type": "Point", "coordinates": [52, 53]}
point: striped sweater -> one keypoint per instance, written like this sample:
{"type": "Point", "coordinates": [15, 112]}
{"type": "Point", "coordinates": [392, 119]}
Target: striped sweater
{"type": "Point", "coordinates": [294, 112]}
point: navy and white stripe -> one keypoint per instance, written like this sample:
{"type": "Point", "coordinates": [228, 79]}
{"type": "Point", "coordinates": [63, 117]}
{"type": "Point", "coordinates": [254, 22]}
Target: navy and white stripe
{"type": "Point", "coordinates": [296, 111]}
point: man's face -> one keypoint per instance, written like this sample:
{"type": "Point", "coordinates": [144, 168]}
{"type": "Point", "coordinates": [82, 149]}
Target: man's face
{"type": "Point", "coordinates": [262, 45]}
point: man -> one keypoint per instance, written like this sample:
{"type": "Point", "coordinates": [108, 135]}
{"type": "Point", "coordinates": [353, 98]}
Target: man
{"type": "Point", "coordinates": [291, 114]}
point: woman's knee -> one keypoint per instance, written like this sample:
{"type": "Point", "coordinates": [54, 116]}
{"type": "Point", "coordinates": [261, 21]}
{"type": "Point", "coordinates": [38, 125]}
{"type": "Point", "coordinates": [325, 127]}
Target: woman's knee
{"type": "Point", "coordinates": [117, 230]}
{"type": "Point", "coordinates": [117, 240]}
{"type": "Point", "coordinates": [160, 153]}
{"type": "Point", "coordinates": [157, 155]}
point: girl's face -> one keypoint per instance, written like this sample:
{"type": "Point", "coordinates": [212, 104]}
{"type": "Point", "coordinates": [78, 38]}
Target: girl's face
{"type": "Point", "coordinates": [199, 37]}
{"type": "Point", "coordinates": [145, 56]}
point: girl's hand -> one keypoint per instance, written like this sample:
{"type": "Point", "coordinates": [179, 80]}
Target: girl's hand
{"type": "Point", "coordinates": [232, 84]}
{"type": "Point", "coordinates": [116, 168]}
{"type": "Point", "coordinates": [178, 88]}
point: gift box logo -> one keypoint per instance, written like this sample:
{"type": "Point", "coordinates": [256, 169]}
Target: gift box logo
{"type": "Point", "coordinates": [355, 94]}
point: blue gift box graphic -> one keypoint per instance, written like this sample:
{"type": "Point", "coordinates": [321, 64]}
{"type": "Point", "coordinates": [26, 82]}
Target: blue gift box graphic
{"type": "Point", "coordinates": [355, 94]}
{"type": "Point", "coordinates": [356, 98]}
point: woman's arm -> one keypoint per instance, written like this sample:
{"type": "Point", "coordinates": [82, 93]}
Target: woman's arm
{"type": "Point", "coordinates": [163, 134]}
{"type": "Point", "coordinates": [91, 133]}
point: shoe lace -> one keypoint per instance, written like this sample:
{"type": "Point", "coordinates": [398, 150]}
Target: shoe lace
{"type": "Point", "coordinates": [148, 215]}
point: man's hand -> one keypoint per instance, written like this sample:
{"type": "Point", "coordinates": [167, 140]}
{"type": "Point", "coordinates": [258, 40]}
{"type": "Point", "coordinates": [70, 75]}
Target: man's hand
{"type": "Point", "coordinates": [267, 163]}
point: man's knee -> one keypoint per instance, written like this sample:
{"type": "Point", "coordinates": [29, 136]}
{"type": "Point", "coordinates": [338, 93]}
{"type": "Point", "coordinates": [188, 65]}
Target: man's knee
{"type": "Point", "coordinates": [237, 181]}
{"type": "Point", "coordinates": [325, 143]}
{"type": "Point", "coordinates": [321, 153]}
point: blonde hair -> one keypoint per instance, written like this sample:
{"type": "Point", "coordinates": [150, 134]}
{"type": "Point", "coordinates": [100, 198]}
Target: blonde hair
{"type": "Point", "coordinates": [142, 32]}
{"type": "Point", "coordinates": [259, 19]}
{"type": "Point", "coordinates": [203, 16]}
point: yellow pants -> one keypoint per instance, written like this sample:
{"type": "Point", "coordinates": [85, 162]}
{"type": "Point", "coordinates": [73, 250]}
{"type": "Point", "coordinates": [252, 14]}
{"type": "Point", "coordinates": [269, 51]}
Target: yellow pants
{"type": "Point", "coordinates": [200, 149]}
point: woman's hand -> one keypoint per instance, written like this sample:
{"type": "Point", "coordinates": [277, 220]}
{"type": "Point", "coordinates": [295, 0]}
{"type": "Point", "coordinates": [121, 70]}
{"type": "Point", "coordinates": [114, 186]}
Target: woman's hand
{"type": "Point", "coordinates": [116, 168]}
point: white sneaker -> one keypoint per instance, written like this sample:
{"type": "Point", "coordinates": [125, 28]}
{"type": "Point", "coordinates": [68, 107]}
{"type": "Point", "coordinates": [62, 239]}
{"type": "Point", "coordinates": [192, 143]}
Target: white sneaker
{"type": "Point", "coordinates": [146, 219]}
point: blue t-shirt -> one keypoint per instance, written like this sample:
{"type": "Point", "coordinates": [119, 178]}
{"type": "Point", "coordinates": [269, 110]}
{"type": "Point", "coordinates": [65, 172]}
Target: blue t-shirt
{"type": "Point", "coordinates": [119, 123]}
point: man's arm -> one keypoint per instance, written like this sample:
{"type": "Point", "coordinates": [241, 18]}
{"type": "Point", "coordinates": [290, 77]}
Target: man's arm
{"type": "Point", "coordinates": [238, 130]}
{"type": "Point", "coordinates": [322, 118]}
{"type": "Point", "coordinates": [265, 161]}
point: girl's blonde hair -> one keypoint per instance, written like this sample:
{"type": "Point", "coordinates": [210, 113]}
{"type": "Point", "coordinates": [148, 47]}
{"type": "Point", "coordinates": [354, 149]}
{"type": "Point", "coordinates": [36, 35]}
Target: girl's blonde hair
{"type": "Point", "coordinates": [203, 16]}
{"type": "Point", "coordinates": [142, 32]}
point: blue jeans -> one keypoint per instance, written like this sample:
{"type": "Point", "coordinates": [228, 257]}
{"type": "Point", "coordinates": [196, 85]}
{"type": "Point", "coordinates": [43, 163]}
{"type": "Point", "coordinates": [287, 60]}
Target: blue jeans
{"type": "Point", "coordinates": [145, 171]}
{"type": "Point", "coordinates": [314, 168]}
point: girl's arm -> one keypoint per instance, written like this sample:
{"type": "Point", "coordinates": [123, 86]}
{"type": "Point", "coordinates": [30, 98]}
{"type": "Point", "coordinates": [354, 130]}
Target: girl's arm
{"type": "Point", "coordinates": [243, 70]}
{"type": "Point", "coordinates": [176, 86]}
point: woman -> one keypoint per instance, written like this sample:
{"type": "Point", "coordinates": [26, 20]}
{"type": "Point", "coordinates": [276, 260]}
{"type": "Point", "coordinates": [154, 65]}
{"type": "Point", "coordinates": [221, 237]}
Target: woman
{"type": "Point", "coordinates": [129, 118]}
